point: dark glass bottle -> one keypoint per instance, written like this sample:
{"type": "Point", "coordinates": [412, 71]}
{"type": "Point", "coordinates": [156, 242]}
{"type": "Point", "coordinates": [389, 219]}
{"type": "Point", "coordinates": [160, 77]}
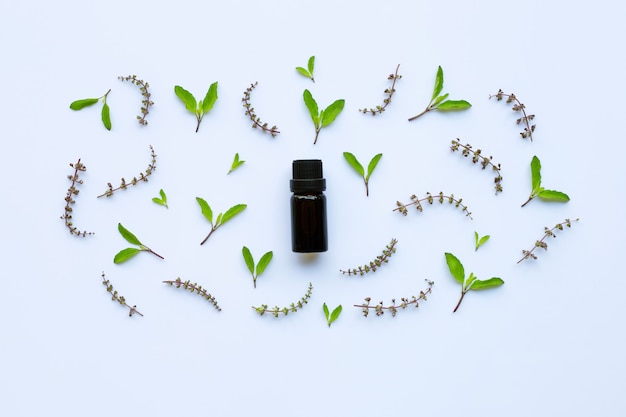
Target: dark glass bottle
{"type": "Point", "coordinates": [308, 207]}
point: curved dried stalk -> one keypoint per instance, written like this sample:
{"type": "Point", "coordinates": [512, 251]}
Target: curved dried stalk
{"type": "Point", "coordinates": [276, 311]}
{"type": "Point", "coordinates": [541, 244]}
{"type": "Point", "coordinates": [389, 250]}
{"type": "Point", "coordinates": [256, 121]}
{"type": "Point", "coordinates": [484, 161]}
{"type": "Point", "coordinates": [142, 177]}
{"type": "Point", "coordinates": [389, 92]}
{"type": "Point", "coordinates": [69, 199]}
{"type": "Point", "coordinates": [146, 103]}
{"type": "Point", "coordinates": [393, 308]}
{"type": "Point", "coordinates": [518, 107]}
{"type": "Point", "coordinates": [187, 285]}
{"type": "Point", "coordinates": [417, 202]}
{"type": "Point", "coordinates": [119, 298]}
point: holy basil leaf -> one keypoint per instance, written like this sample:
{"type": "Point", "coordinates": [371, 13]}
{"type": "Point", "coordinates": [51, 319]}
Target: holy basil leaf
{"type": "Point", "coordinates": [231, 212]}
{"type": "Point", "coordinates": [454, 105]}
{"type": "Point", "coordinates": [372, 165]}
{"type": "Point", "coordinates": [311, 104]}
{"type": "Point", "coordinates": [336, 312]}
{"type": "Point", "coordinates": [125, 254]}
{"type": "Point", "coordinates": [263, 262]}
{"type": "Point", "coordinates": [247, 256]}
{"type": "Point", "coordinates": [311, 65]}
{"type": "Point", "coordinates": [439, 100]}
{"type": "Point", "coordinates": [326, 312]}
{"type": "Point", "coordinates": [438, 83]}
{"type": "Point", "coordinates": [535, 171]}
{"type": "Point", "coordinates": [187, 98]}
{"type": "Point", "coordinates": [456, 267]}
{"type": "Point", "coordinates": [206, 209]}
{"type": "Point", "coordinates": [210, 98]}
{"type": "Point", "coordinates": [354, 163]}
{"type": "Point", "coordinates": [552, 195]}
{"type": "Point", "coordinates": [126, 234]}
{"type": "Point", "coordinates": [81, 104]}
{"type": "Point", "coordinates": [332, 111]}
{"type": "Point", "coordinates": [106, 116]}
{"type": "Point", "coordinates": [303, 72]}
{"type": "Point", "coordinates": [489, 283]}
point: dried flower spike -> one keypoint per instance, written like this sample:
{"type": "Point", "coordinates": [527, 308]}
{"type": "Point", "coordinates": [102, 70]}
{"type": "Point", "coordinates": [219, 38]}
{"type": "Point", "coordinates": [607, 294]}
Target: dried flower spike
{"type": "Point", "coordinates": [187, 285]}
{"type": "Point", "coordinates": [256, 120]}
{"type": "Point", "coordinates": [466, 150]}
{"type": "Point", "coordinates": [69, 199]}
{"type": "Point", "coordinates": [146, 103]}
{"type": "Point", "coordinates": [142, 177]}
{"type": "Point", "coordinates": [119, 298]}
{"type": "Point", "coordinates": [541, 242]}
{"type": "Point", "coordinates": [389, 92]}
{"type": "Point", "coordinates": [393, 308]}
{"type": "Point", "coordinates": [389, 250]}
{"type": "Point", "coordinates": [276, 311]}
{"type": "Point", "coordinates": [417, 202]}
{"type": "Point", "coordinates": [518, 107]}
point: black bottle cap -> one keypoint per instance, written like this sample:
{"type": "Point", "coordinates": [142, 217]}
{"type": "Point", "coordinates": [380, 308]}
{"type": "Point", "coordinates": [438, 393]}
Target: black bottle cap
{"type": "Point", "coordinates": [307, 176]}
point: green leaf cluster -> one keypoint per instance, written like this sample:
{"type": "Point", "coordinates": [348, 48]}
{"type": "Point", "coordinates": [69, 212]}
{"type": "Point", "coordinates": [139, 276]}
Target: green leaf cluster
{"type": "Point", "coordinates": [331, 317]}
{"type": "Point", "coordinates": [356, 165]}
{"type": "Point", "coordinates": [197, 108]}
{"type": "Point", "coordinates": [479, 241]}
{"type": "Point", "coordinates": [260, 266]}
{"type": "Point", "coordinates": [470, 282]}
{"type": "Point", "coordinates": [87, 102]}
{"type": "Point", "coordinates": [162, 200]}
{"type": "Point", "coordinates": [322, 118]}
{"type": "Point", "coordinates": [207, 212]}
{"type": "Point", "coordinates": [236, 163]}
{"type": "Point", "coordinates": [439, 101]}
{"type": "Point", "coordinates": [126, 254]}
{"type": "Point", "coordinates": [538, 190]}
{"type": "Point", "coordinates": [309, 71]}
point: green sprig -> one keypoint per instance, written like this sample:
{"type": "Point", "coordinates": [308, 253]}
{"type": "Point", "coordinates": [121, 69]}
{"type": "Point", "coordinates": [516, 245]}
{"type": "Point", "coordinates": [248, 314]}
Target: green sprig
{"type": "Point", "coordinates": [322, 118]}
{"type": "Point", "coordinates": [236, 163]}
{"type": "Point", "coordinates": [207, 212]}
{"type": "Point", "coordinates": [438, 101]}
{"type": "Point", "coordinates": [199, 109]}
{"type": "Point", "coordinates": [309, 71]}
{"type": "Point", "coordinates": [259, 268]}
{"type": "Point", "coordinates": [162, 201]}
{"type": "Point", "coordinates": [105, 112]}
{"type": "Point", "coordinates": [538, 190]}
{"type": "Point", "coordinates": [331, 317]}
{"type": "Point", "coordinates": [356, 165]}
{"type": "Point", "coordinates": [126, 254]}
{"type": "Point", "coordinates": [479, 241]}
{"type": "Point", "coordinates": [470, 282]}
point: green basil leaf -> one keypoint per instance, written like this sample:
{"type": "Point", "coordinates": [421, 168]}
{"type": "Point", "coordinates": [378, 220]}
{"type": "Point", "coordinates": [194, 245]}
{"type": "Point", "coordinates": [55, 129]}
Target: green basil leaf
{"type": "Point", "coordinates": [439, 100]}
{"type": "Point", "coordinates": [354, 163]}
{"type": "Point", "coordinates": [486, 284]}
{"type": "Point", "coordinates": [303, 72]}
{"type": "Point", "coordinates": [247, 256]}
{"type": "Point", "coordinates": [311, 65]}
{"type": "Point", "coordinates": [332, 111]}
{"type": "Point", "coordinates": [456, 267]}
{"type": "Point", "coordinates": [263, 262]}
{"type": "Point", "coordinates": [125, 254]}
{"type": "Point", "coordinates": [454, 105]}
{"type": "Point", "coordinates": [187, 98]}
{"type": "Point", "coordinates": [372, 165]}
{"type": "Point", "coordinates": [106, 116]}
{"type": "Point", "coordinates": [326, 312]}
{"type": "Point", "coordinates": [158, 201]}
{"type": "Point", "coordinates": [126, 234]}
{"type": "Point", "coordinates": [535, 172]}
{"type": "Point", "coordinates": [438, 83]}
{"type": "Point", "coordinates": [163, 196]}
{"type": "Point", "coordinates": [311, 104]}
{"type": "Point", "coordinates": [336, 312]}
{"type": "Point", "coordinates": [232, 212]}
{"type": "Point", "coordinates": [483, 240]}
{"type": "Point", "coordinates": [552, 195]}
{"type": "Point", "coordinates": [81, 104]}
{"type": "Point", "coordinates": [210, 98]}
{"type": "Point", "coordinates": [206, 209]}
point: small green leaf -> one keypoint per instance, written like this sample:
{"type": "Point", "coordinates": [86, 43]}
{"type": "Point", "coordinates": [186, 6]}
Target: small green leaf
{"type": "Point", "coordinates": [206, 209]}
{"type": "Point", "coordinates": [163, 196]}
{"type": "Point", "coordinates": [303, 72]}
{"type": "Point", "coordinates": [236, 163]}
{"type": "Point", "coordinates": [480, 240]}
{"type": "Point", "coordinates": [439, 100]}
{"type": "Point", "coordinates": [454, 105]}
{"type": "Point", "coordinates": [326, 312]}
{"type": "Point", "coordinates": [218, 221]}
{"type": "Point", "coordinates": [535, 171]}
{"type": "Point", "coordinates": [247, 256]}
{"type": "Point", "coordinates": [126, 234]}
{"type": "Point", "coordinates": [372, 165]}
{"type": "Point", "coordinates": [332, 111]}
{"type": "Point", "coordinates": [231, 212]}
{"type": "Point", "coordinates": [106, 116]}
{"type": "Point", "coordinates": [438, 83]}
{"type": "Point", "coordinates": [263, 262]}
{"type": "Point", "coordinates": [187, 98]}
{"type": "Point", "coordinates": [552, 195]}
{"type": "Point", "coordinates": [81, 104]}
{"type": "Point", "coordinates": [311, 104]}
{"type": "Point", "coordinates": [354, 163]}
{"type": "Point", "coordinates": [489, 283]}
{"type": "Point", "coordinates": [210, 98]}
{"type": "Point", "coordinates": [125, 254]}
{"type": "Point", "coordinates": [456, 267]}
{"type": "Point", "coordinates": [336, 312]}
{"type": "Point", "coordinates": [311, 65]}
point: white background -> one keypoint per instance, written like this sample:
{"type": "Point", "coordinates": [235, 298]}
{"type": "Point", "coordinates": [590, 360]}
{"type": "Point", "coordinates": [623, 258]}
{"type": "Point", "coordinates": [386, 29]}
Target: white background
{"type": "Point", "coordinates": [549, 342]}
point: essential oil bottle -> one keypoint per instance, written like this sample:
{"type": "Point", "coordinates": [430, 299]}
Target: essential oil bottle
{"type": "Point", "coordinates": [308, 207]}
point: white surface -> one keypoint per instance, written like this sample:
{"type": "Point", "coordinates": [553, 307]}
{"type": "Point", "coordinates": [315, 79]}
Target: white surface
{"type": "Point", "coordinates": [549, 342]}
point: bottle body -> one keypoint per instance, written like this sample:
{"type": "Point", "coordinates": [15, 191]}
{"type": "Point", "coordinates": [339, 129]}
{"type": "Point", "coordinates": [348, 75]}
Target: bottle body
{"type": "Point", "coordinates": [309, 232]}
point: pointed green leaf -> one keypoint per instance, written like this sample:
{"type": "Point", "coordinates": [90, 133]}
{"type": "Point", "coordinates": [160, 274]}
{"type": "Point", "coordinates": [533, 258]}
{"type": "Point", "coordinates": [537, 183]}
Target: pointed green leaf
{"type": "Point", "coordinates": [439, 100]}
{"type": "Point", "coordinates": [354, 163]}
{"type": "Point", "coordinates": [456, 267]}
{"type": "Point", "coordinates": [535, 172]}
{"type": "Point", "coordinates": [206, 209]}
{"type": "Point", "coordinates": [81, 104]}
{"type": "Point", "coordinates": [552, 195]}
{"type": "Point", "coordinates": [336, 312]}
{"type": "Point", "coordinates": [326, 312]}
{"type": "Point", "coordinates": [125, 254]}
{"type": "Point", "coordinates": [158, 201]}
{"type": "Point", "coordinates": [332, 111]}
{"type": "Point", "coordinates": [247, 256]}
{"type": "Point", "coordinates": [232, 212]}
{"type": "Point", "coordinates": [218, 220]}
{"type": "Point", "coordinates": [311, 104]}
{"type": "Point", "coordinates": [163, 196]}
{"type": "Point", "coordinates": [483, 240]}
{"type": "Point", "coordinates": [210, 98]}
{"type": "Point", "coordinates": [106, 116]}
{"type": "Point", "coordinates": [372, 165]}
{"type": "Point", "coordinates": [187, 98]}
{"type": "Point", "coordinates": [130, 238]}
{"type": "Point", "coordinates": [311, 65]}
{"type": "Point", "coordinates": [263, 262]}
{"type": "Point", "coordinates": [454, 105]}
{"type": "Point", "coordinates": [303, 72]}
{"type": "Point", "coordinates": [438, 83]}
{"type": "Point", "coordinates": [489, 283]}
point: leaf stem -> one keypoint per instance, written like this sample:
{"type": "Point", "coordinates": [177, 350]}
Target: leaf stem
{"type": "Point", "coordinates": [528, 201]}
{"type": "Point", "coordinates": [209, 235]}
{"type": "Point", "coordinates": [317, 132]}
{"type": "Point", "coordinates": [421, 114]}
{"type": "Point", "coordinates": [199, 120]}
{"type": "Point", "coordinates": [459, 303]}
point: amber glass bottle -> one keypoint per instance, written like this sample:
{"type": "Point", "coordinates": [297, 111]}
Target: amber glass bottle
{"type": "Point", "coordinates": [308, 207]}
